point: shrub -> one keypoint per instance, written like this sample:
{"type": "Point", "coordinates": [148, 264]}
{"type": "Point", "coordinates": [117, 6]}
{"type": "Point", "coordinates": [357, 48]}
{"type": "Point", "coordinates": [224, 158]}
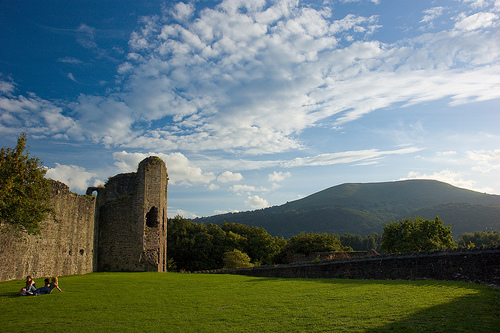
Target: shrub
{"type": "Point", "coordinates": [236, 259]}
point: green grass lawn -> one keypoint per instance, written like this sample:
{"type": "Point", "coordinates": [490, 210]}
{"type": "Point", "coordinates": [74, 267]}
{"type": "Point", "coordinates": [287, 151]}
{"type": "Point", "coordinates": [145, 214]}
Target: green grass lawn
{"type": "Point", "coordinates": [174, 302]}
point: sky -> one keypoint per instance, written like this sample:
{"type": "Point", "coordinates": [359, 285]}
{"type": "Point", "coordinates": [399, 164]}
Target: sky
{"type": "Point", "coordinates": [252, 104]}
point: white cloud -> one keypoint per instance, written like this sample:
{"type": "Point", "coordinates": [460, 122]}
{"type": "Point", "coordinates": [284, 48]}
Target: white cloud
{"type": "Point", "coordinates": [70, 60]}
{"type": "Point", "coordinates": [431, 14]}
{"type": "Point", "coordinates": [476, 3]}
{"type": "Point", "coordinates": [448, 153]}
{"type": "Point", "coordinates": [71, 77]}
{"type": "Point", "coordinates": [174, 212]}
{"type": "Point", "coordinates": [256, 202]}
{"type": "Point", "coordinates": [246, 52]}
{"type": "Point", "coordinates": [34, 115]}
{"type": "Point", "coordinates": [346, 157]}
{"type": "Point", "coordinates": [374, 1]}
{"type": "Point", "coordinates": [476, 21]}
{"type": "Point", "coordinates": [251, 81]}
{"type": "Point", "coordinates": [228, 176]}
{"type": "Point", "coordinates": [496, 6]}
{"type": "Point", "coordinates": [77, 178]}
{"type": "Point", "coordinates": [213, 187]}
{"type": "Point", "coordinates": [6, 87]}
{"type": "Point", "coordinates": [247, 189]}
{"type": "Point", "coordinates": [225, 211]}
{"type": "Point", "coordinates": [451, 177]}
{"type": "Point", "coordinates": [183, 171]}
{"type": "Point", "coordinates": [86, 36]}
{"type": "Point", "coordinates": [183, 11]}
{"type": "Point", "coordinates": [278, 176]}
{"type": "Point", "coordinates": [179, 168]}
{"type": "Point", "coordinates": [485, 160]}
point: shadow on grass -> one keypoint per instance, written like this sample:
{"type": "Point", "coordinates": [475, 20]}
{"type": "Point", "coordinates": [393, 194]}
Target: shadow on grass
{"type": "Point", "coordinates": [11, 294]}
{"type": "Point", "coordinates": [460, 315]}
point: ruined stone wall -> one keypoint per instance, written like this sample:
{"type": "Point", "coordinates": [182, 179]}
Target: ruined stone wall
{"type": "Point", "coordinates": [131, 219]}
{"type": "Point", "coordinates": [64, 247]}
{"type": "Point", "coordinates": [122, 229]}
{"type": "Point", "coordinates": [120, 236]}
{"type": "Point", "coordinates": [154, 180]}
{"type": "Point", "coordinates": [475, 265]}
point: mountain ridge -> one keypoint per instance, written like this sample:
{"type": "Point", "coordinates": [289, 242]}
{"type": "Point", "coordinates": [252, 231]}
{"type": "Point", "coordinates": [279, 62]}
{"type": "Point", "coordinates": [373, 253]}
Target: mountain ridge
{"type": "Point", "coordinates": [364, 208]}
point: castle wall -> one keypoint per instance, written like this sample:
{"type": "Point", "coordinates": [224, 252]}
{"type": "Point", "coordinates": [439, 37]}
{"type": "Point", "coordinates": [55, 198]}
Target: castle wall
{"type": "Point", "coordinates": [120, 235]}
{"type": "Point", "coordinates": [131, 219]}
{"type": "Point", "coordinates": [475, 265]}
{"type": "Point", "coordinates": [122, 229]}
{"type": "Point", "coordinates": [64, 247]}
{"type": "Point", "coordinates": [153, 188]}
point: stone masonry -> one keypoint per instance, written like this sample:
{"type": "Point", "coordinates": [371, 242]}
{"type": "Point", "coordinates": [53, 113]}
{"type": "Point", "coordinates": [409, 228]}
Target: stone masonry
{"type": "Point", "coordinates": [131, 219]}
{"type": "Point", "coordinates": [64, 247]}
{"type": "Point", "coordinates": [123, 228]}
{"type": "Point", "coordinates": [480, 265]}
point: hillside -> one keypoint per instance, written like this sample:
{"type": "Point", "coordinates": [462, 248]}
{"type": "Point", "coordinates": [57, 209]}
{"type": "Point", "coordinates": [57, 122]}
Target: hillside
{"type": "Point", "coordinates": [365, 208]}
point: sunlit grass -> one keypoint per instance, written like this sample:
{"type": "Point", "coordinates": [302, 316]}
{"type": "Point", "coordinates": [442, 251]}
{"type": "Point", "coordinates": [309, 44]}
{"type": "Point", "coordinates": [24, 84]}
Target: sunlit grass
{"type": "Point", "coordinates": [174, 302]}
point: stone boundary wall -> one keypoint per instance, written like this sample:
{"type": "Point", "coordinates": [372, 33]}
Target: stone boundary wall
{"type": "Point", "coordinates": [481, 265]}
{"type": "Point", "coordinates": [64, 247]}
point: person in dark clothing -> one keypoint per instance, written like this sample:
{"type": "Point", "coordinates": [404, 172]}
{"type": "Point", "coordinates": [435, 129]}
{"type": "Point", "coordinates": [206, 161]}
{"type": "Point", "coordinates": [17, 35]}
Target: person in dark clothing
{"type": "Point", "coordinates": [45, 289]}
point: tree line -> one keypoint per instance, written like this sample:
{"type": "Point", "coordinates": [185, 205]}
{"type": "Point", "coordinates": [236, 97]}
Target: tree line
{"type": "Point", "coordinates": [196, 246]}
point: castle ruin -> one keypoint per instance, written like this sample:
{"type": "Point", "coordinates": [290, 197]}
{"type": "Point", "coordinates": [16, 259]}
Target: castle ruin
{"type": "Point", "coordinates": [122, 228]}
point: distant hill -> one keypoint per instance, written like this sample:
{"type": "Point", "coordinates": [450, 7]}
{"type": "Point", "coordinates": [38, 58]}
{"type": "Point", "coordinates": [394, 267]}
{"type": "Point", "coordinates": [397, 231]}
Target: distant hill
{"type": "Point", "coordinates": [364, 208]}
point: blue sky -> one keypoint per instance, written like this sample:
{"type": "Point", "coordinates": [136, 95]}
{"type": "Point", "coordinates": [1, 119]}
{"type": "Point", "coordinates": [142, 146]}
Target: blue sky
{"type": "Point", "coordinates": [255, 103]}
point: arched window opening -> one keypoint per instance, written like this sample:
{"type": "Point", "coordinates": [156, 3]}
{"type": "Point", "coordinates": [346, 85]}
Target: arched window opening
{"type": "Point", "coordinates": [152, 218]}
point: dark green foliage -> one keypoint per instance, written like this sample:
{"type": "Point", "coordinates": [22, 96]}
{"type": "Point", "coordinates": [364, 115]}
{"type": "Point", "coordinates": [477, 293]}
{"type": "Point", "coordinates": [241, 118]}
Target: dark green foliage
{"type": "Point", "coordinates": [464, 217]}
{"type": "Point", "coordinates": [358, 243]}
{"type": "Point", "coordinates": [24, 191]}
{"type": "Point", "coordinates": [255, 241]}
{"type": "Point", "coordinates": [194, 246]}
{"type": "Point", "coordinates": [410, 235]}
{"type": "Point", "coordinates": [479, 238]}
{"type": "Point", "coordinates": [364, 208]}
{"type": "Point", "coordinates": [311, 243]}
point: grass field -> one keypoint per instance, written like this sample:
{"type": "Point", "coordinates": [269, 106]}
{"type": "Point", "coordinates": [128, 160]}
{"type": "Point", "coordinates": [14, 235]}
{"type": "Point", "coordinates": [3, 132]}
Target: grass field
{"type": "Point", "coordinates": [174, 302]}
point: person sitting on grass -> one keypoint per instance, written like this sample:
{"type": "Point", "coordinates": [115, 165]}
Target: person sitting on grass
{"type": "Point", "coordinates": [54, 284]}
{"type": "Point", "coordinates": [30, 287]}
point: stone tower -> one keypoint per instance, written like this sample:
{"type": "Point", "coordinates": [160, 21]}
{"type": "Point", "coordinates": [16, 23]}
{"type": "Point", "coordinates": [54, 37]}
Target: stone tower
{"type": "Point", "coordinates": [131, 220]}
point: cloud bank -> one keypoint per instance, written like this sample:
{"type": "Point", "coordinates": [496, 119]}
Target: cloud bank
{"type": "Point", "coordinates": [249, 77]}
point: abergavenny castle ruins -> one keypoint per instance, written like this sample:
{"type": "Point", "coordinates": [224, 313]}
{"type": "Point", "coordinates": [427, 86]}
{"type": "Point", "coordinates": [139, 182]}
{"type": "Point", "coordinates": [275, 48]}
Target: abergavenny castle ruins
{"type": "Point", "coordinates": [122, 228]}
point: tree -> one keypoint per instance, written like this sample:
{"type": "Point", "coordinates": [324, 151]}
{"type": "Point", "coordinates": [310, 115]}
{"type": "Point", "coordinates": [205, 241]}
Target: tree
{"type": "Point", "coordinates": [306, 243]}
{"type": "Point", "coordinates": [190, 245]}
{"type": "Point", "coordinates": [359, 243]}
{"type": "Point", "coordinates": [196, 247]}
{"type": "Point", "coordinates": [24, 190]}
{"type": "Point", "coordinates": [479, 238]}
{"type": "Point", "coordinates": [236, 259]}
{"type": "Point", "coordinates": [256, 241]}
{"type": "Point", "coordinates": [418, 235]}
